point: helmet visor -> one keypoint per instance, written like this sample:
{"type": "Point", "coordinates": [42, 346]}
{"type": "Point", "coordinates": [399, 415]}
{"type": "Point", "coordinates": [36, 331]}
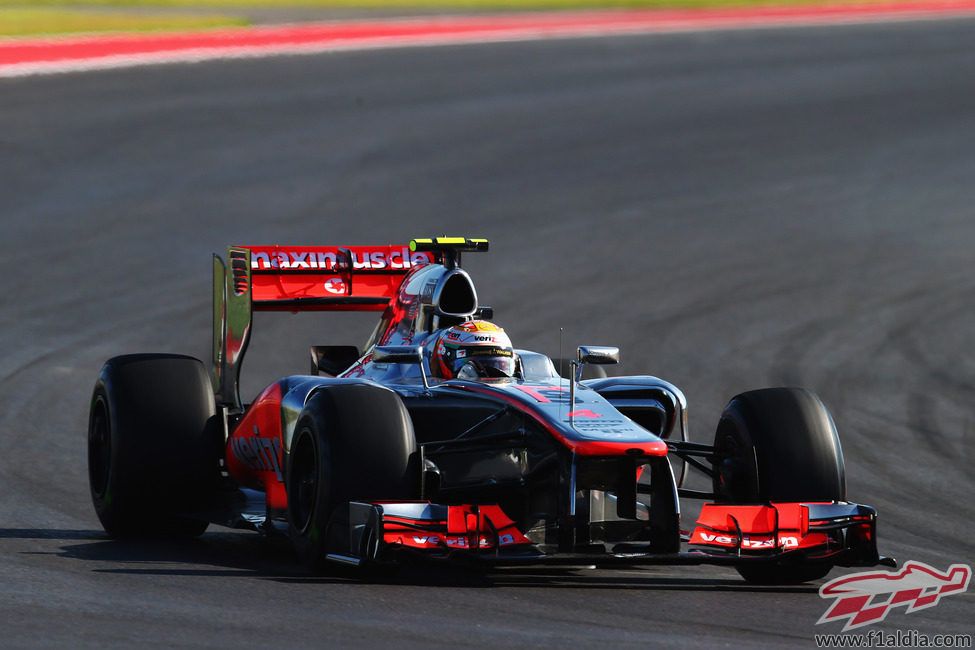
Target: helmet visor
{"type": "Point", "coordinates": [479, 362]}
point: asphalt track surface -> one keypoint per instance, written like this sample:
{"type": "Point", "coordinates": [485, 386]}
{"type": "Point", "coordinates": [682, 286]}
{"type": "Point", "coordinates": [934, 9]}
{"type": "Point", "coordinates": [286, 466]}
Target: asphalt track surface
{"type": "Point", "coordinates": [734, 209]}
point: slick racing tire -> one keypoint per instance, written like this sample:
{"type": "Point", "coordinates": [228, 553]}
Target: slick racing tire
{"type": "Point", "coordinates": [153, 450]}
{"type": "Point", "coordinates": [352, 442]}
{"type": "Point", "coordinates": [778, 445]}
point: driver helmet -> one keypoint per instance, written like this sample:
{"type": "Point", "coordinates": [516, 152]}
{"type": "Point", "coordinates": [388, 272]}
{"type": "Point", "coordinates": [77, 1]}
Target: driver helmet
{"type": "Point", "coordinates": [476, 349]}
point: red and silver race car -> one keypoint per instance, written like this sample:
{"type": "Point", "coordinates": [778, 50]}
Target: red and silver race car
{"type": "Point", "coordinates": [440, 441]}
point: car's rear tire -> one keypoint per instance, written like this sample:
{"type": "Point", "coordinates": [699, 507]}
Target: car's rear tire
{"type": "Point", "coordinates": [351, 442]}
{"type": "Point", "coordinates": [153, 450]}
{"type": "Point", "coordinates": [778, 445]}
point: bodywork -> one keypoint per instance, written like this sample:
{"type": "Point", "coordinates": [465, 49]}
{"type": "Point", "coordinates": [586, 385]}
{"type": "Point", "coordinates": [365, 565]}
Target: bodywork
{"type": "Point", "coordinates": [536, 468]}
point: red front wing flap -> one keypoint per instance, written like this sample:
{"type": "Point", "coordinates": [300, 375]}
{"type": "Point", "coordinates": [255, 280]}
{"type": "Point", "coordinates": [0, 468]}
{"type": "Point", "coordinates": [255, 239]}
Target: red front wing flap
{"type": "Point", "coordinates": [838, 533]}
{"type": "Point", "coordinates": [841, 533]}
{"type": "Point", "coordinates": [379, 531]}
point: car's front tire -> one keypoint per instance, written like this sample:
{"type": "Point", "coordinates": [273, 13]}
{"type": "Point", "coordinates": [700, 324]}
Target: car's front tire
{"type": "Point", "coordinates": [351, 442]}
{"type": "Point", "coordinates": [778, 445]}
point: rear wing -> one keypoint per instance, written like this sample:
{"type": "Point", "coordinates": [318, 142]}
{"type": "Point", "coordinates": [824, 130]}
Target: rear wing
{"type": "Point", "coordinates": [308, 278]}
{"type": "Point", "coordinates": [323, 278]}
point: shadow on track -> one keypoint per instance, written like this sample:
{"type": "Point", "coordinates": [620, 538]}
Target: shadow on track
{"type": "Point", "coordinates": [49, 533]}
{"type": "Point", "coordinates": [235, 554]}
{"type": "Point", "coordinates": [216, 554]}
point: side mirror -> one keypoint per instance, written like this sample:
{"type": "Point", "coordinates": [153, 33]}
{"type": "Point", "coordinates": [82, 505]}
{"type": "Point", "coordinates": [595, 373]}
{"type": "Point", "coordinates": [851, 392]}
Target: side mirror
{"type": "Point", "coordinates": [402, 354]}
{"type": "Point", "coordinates": [597, 355]}
{"type": "Point", "coordinates": [397, 354]}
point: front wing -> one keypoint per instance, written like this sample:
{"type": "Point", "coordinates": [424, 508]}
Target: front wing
{"type": "Point", "coordinates": [842, 534]}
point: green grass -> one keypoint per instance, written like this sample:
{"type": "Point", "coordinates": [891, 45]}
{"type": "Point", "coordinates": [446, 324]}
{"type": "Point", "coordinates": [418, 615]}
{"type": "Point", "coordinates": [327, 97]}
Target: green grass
{"type": "Point", "coordinates": [48, 20]}
{"type": "Point", "coordinates": [37, 17]}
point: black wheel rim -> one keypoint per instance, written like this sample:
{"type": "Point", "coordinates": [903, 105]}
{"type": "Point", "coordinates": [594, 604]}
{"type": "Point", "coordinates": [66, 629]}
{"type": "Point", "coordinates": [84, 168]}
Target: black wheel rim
{"type": "Point", "coordinates": [99, 449]}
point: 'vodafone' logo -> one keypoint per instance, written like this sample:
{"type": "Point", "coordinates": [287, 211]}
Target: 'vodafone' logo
{"type": "Point", "coordinates": [335, 286]}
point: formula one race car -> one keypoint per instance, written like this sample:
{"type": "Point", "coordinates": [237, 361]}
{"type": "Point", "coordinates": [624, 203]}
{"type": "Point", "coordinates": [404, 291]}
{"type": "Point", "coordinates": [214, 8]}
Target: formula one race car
{"type": "Point", "coordinates": [439, 440]}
